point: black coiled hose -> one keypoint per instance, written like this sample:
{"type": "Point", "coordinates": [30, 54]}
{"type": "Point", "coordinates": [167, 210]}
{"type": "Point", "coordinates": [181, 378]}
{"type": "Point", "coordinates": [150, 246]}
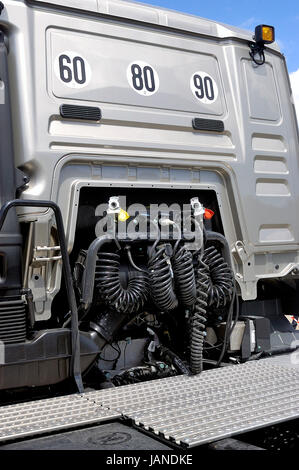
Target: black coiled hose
{"type": "Point", "coordinates": [214, 289]}
{"type": "Point", "coordinates": [199, 318]}
{"type": "Point", "coordinates": [182, 265]}
{"type": "Point", "coordinates": [107, 280]}
{"type": "Point", "coordinates": [221, 282]}
{"type": "Point", "coordinates": [161, 280]}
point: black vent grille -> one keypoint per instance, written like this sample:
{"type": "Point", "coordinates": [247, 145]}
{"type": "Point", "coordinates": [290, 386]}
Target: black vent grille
{"type": "Point", "coordinates": [87, 113]}
{"type": "Point", "coordinates": [208, 125]}
{"type": "Point", "coordinates": [12, 321]}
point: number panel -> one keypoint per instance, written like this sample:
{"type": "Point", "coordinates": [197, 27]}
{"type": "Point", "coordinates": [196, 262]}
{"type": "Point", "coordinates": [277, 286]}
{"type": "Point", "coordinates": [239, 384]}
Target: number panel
{"type": "Point", "coordinates": [160, 78]}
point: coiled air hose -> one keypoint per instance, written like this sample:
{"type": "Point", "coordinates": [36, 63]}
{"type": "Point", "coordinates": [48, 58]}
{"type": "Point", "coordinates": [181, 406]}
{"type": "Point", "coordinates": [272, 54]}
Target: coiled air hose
{"type": "Point", "coordinates": [129, 299]}
{"type": "Point", "coordinates": [221, 283]}
{"type": "Point", "coordinates": [176, 272]}
{"type": "Point", "coordinates": [161, 279]}
{"type": "Point", "coordinates": [215, 288]}
{"type": "Point", "coordinates": [199, 317]}
{"type": "Point", "coordinates": [182, 265]}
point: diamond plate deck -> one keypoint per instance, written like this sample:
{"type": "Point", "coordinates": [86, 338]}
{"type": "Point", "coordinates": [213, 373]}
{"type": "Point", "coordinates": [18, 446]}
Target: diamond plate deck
{"type": "Point", "coordinates": [52, 414]}
{"type": "Point", "coordinates": [213, 405]}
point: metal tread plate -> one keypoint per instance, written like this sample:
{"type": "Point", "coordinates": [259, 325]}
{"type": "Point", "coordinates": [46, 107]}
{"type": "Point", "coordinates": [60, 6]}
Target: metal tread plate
{"type": "Point", "coordinates": [216, 404]}
{"type": "Point", "coordinates": [52, 414]}
{"type": "Point", "coordinates": [190, 411]}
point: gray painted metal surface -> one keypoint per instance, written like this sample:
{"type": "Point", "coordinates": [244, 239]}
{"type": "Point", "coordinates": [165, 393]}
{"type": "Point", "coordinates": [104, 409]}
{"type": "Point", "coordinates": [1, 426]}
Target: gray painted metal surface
{"type": "Point", "coordinates": [189, 411]}
{"type": "Point", "coordinates": [159, 16]}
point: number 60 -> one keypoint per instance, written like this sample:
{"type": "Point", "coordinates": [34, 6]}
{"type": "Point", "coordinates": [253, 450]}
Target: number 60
{"type": "Point", "coordinates": [74, 71]}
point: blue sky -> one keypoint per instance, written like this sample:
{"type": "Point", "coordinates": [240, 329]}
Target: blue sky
{"type": "Point", "coordinates": [283, 14]}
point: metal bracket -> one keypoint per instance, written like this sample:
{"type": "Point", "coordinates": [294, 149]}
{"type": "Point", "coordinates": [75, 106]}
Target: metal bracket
{"type": "Point", "coordinates": [113, 205]}
{"type": "Point", "coordinates": [197, 211]}
{"type": "Point", "coordinates": [46, 259]}
{"type": "Point", "coordinates": [246, 278]}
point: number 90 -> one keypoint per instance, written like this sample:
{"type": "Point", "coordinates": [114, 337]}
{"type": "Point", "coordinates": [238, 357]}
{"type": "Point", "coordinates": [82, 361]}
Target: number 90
{"type": "Point", "coordinates": [204, 87]}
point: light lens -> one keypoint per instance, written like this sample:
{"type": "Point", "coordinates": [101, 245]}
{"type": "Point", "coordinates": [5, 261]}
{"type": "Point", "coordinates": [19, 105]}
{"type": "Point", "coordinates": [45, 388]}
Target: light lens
{"type": "Point", "coordinates": [268, 33]}
{"type": "Point", "coordinates": [264, 34]}
{"type": "Point", "coordinates": [208, 214]}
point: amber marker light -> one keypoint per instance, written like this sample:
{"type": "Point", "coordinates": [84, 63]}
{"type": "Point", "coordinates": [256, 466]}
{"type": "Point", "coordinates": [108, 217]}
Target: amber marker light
{"type": "Point", "coordinates": [264, 34]}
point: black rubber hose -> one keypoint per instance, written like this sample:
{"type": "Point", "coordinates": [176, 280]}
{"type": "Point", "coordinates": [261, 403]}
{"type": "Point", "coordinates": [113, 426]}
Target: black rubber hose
{"type": "Point", "coordinates": [184, 276]}
{"type": "Point", "coordinates": [129, 299]}
{"type": "Point", "coordinates": [161, 280]}
{"type": "Point", "coordinates": [90, 268]}
{"type": "Point", "coordinates": [229, 325]}
{"type": "Point", "coordinates": [199, 317]}
{"type": "Point", "coordinates": [221, 282]}
{"type": "Point", "coordinates": [215, 288]}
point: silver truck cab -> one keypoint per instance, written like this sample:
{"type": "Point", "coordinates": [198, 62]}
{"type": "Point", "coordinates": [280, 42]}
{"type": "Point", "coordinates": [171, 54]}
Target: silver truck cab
{"type": "Point", "coordinates": [110, 109]}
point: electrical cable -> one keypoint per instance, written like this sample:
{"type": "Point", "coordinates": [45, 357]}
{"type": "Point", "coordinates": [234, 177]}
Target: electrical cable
{"type": "Point", "coordinates": [128, 248]}
{"type": "Point", "coordinates": [229, 327]}
{"type": "Point", "coordinates": [257, 49]}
